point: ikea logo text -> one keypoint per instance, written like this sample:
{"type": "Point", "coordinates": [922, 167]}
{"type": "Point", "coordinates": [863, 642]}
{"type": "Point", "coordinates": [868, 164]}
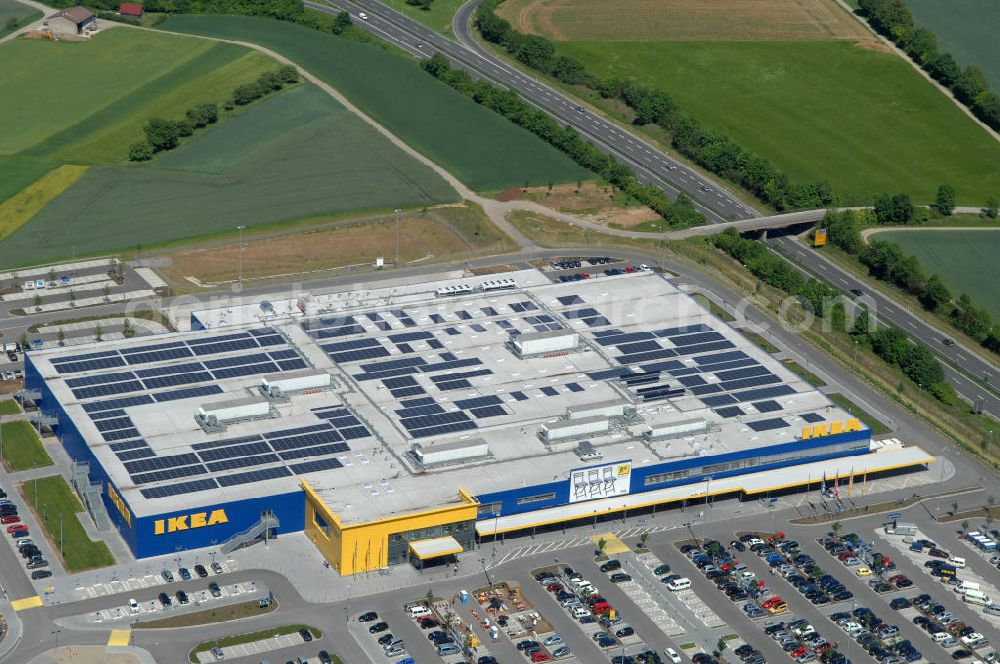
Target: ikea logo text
{"type": "Point", "coordinates": [830, 429]}
{"type": "Point", "coordinates": [189, 521]}
{"type": "Point", "coordinates": [119, 503]}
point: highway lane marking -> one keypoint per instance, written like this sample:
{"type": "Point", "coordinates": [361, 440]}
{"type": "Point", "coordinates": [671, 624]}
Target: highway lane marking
{"type": "Point", "coordinates": [26, 603]}
{"type": "Point", "coordinates": [910, 323]}
{"type": "Point", "coordinates": [961, 357]}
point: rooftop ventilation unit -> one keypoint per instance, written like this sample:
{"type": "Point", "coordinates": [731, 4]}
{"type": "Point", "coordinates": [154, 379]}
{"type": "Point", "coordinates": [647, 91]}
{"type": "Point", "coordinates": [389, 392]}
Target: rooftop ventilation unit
{"type": "Point", "coordinates": [213, 417]}
{"type": "Point", "coordinates": [563, 430]}
{"type": "Point", "coordinates": [617, 408]}
{"type": "Point", "coordinates": [429, 455]}
{"type": "Point", "coordinates": [533, 344]}
{"type": "Point", "coordinates": [667, 430]}
{"type": "Point", "coordinates": [281, 385]}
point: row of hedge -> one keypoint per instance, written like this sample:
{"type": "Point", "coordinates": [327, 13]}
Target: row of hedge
{"type": "Point", "coordinates": [163, 134]}
{"type": "Point", "coordinates": [893, 19]}
{"type": "Point", "coordinates": [715, 151]}
{"type": "Point", "coordinates": [679, 213]}
{"type": "Point", "coordinates": [891, 344]}
{"type": "Point", "coordinates": [887, 261]}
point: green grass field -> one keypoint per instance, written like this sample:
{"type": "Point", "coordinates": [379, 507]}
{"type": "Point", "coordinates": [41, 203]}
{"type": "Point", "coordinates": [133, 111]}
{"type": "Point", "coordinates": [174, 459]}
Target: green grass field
{"type": "Point", "coordinates": [9, 407]}
{"type": "Point", "coordinates": [116, 81]}
{"type": "Point", "coordinates": [298, 154]}
{"type": "Point", "coordinates": [22, 448]}
{"type": "Point", "coordinates": [16, 173]}
{"type": "Point", "coordinates": [438, 17]}
{"type": "Point", "coordinates": [965, 260]}
{"type": "Point", "coordinates": [482, 149]}
{"type": "Point", "coordinates": [818, 110]}
{"type": "Point", "coordinates": [23, 14]}
{"type": "Point", "coordinates": [55, 497]}
{"type": "Point", "coordinates": [965, 28]}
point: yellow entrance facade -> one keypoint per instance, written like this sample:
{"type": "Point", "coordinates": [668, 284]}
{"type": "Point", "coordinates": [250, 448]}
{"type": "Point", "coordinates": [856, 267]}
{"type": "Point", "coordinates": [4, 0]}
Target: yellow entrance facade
{"type": "Point", "coordinates": [363, 547]}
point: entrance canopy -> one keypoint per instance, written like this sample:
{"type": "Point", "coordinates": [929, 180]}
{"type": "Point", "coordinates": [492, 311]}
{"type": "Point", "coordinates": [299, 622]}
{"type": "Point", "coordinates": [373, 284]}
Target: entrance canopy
{"type": "Point", "coordinates": [434, 548]}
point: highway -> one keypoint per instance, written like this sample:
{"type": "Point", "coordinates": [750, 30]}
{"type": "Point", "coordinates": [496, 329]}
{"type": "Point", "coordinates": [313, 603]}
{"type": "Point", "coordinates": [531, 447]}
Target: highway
{"type": "Point", "coordinates": [651, 165]}
{"type": "Point", "coordinates": [967, 369]}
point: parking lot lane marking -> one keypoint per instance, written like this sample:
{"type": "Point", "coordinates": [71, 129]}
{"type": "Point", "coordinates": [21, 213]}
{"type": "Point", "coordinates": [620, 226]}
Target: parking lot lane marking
{"type": "Point", "coordinates": [119, 637]}
{"type": "Point", "coordinates": [613, 545]}
{"type": "Point", "coordinates": [26, 603]}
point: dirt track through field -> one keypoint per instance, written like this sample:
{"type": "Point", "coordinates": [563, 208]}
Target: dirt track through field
{"type": "Point", "coordinates": [684, 20]}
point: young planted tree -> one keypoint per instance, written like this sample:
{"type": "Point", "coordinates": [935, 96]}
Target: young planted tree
{"type": "Point", "coordinates": [643, 536]}
{"type": "Point", "coordinates": [601, 545]}
{"type": "Point", "coordinates": [98, 332]}
{"type": "Point", "coordinates": [61, 337]}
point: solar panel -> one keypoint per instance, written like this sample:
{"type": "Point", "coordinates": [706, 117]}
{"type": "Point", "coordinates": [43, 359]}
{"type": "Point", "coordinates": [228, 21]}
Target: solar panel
{"type": "Point", "coordinates": [812, 418]}
{"type": "Point", "coordinates": [382, 325]}
{"type": "Point", "coordinates": [261, 331]}
{"type": "Point", "coordinates": [107, 389]}
{"type": "Point", "coordinates": [219, 338]}
{"type": "Point", "coordinates": [307, 440]}
{"type": "Point", "coordinates": [297, 431]}
{"type": "Point", "coordinates": [404, 348]}
{"type": "Point", "coordinates": [179, 488]}
{"type": "Point", "coordinates": [353, 433]}
{"type": "Point", "coordinates": [448, 366]}
{"type": "Point", "coordinates": [130, 445]}
{"type": "Point", "coordinates": [403, 337]}
{"type": "Point", "coordinates": [158, 356]}
{"type": "Point", "coordinates": [315, 450]}
{"type": "Point", "coordinates": [744, 372]}
{"type": "Point", "coordinates": [567, 300]}
{"type": "Point", "coordinates": [333, 332]}
{"type": "Point", "coordinates": [247, 370]}
{"type": "Point", "coordinates": [444, 429]}
{"type": "Point", "coordinates": [624, 338]}
{"type": "Point", "coordinates": [403, 381]}
{"type": "Point", "coordinates": [399, 313]}
{"type": "Point", "coordinates": [228, 441]}
{"type": "Point", "coordinates": [599, 321]}
{"type": "Point", "coordinates": [355, 355]}
{"type": "Point", "coordinates": [463, 374]}
{"type": "Point", "coordinates": [729, 411]}
{"type": "Point", "coordinates": [284, 354]}
{"type": "Point", "coordinates": [272, 340]}
{"type": "Point", "coordinates": [99, 379]}
{"type": "Point", "coordinates": [764, 393]}
{"type": "Point", "coordinates": [451, 331]}
{"type": "Point", "coordinates": [430, 409]}
{"type": "Point", "coordinates": [86, 356]}
{"type": "Point", "coordinates": [685, 371]}
{"type": "Point", "coordinates": [407, 391]}
{"type": "Point", "coordinates": [489, 311]}
{"type": "Point", "coordinates": [464, 315]}
{"type": "Point", "coordinates": [477, 402]}
{"type": "Point", "coordinates": [741, 383]}
{"type": "Point", "coordinates": [767, 425]}
{"type": "Point", "coordinates": [315, 466]}
{"type": "Point", "coordinates": [120, 434]}
{"type": "Point", "coordinates": [574, 387]}
{"type": "Point", "coordinates": [581, 313]}
{"type": "Point", "coordinates": [767, 406]}
{"type": "Point", "coordinates": [422, 421]}
{"type": "Point", "coordinates": [242, 462]}
{"type": "Point", "coordinates": [113, 423]}
{"type": "Point", "coordinates": [647, 356]}
{"type": "Point", "coordinates": [549, 391]}
{"type": "Point", "coordinates": [701, 390]}
{"type": "Point", "coordinates": [422, 401]}
{"type": "Point", "coordinates": [435, 344]}
{"type": "Point", "coordinates": [721, 357]}
{"type": "Point", "coordinates": [179, 379]}
{"type": "Point", "coordinates": [172, 369]}
{"type": "Point", "coordinates": [248, 449]}
{"type": "Point", "coordinates": [254, 476]}
{"type": "Point", "coordinates": [488, 411]}
{"type": "Point", "coordinates": [691, 381]}
{"type": "Point", "coordinates": [520, 396]}
{"type": "Point", "coordinates": [106, 414]}
{"type": "Point", "coordinates": [718, 400]}
{"type": "Point", "coordinates": [225, 346]}
{"type": "Point", "coordinates": [698, 338]}
{"type": "Point", "coordinates": [168, 474]}
{"type": "Point", "coordinates": [444, 386]}
{"type": "Point", "coordinates": [684, 329]}
{"type": "Point", "coordinates": [477, 327]}
{"type": "Point", "coordinates": [162, 462]}
{"type": "Point", "coordinates": [437, 318]}
{"type": "Point", "coordinates": [292, 365]}
{"type": "Point", "coordinates": [188, 393]}
{"type": "Point", "coordinates": [138, 453]}
{"type": "Point", "coordinates": [151, 347]}
{"type": "Point", "coordinates": [90, 365]}
{"type": "Point", "coordinates": [376, 367]}
{"type": "Point", "coordinates": [704, 348]}
{"type": "Point", "coordinates": [235, 361]}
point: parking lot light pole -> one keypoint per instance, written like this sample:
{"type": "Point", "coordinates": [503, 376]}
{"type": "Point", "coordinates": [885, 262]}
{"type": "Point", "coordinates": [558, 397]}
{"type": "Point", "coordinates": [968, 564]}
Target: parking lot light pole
{"type": "Point", "coordinates": [239, 278]}
{"type": "Point", "coordinates": [397, 212]}
{"type": "Point", "coordinates": [489, 583]}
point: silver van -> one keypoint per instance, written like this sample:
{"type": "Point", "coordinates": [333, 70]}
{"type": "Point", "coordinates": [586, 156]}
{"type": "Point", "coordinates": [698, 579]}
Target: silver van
{"type": "Point", "coordinates": [448, 649]}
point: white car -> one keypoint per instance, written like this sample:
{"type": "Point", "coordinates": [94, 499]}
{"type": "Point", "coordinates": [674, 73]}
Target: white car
{"type": "Point", "coordinates": [363, 16]}
{"type": "Point", "coordinates": [970, 638]}
{"type": "Point", "coordinates": [133, 606]}
{"type": "Point", "coordinates": [672, 654]}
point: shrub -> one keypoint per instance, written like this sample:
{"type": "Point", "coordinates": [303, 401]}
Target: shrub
{"type": "Point", "coordinates": [140, 151]}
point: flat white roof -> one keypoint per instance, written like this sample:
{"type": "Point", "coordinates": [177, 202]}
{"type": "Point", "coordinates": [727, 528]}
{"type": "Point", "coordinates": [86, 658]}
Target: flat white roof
{"type": "Point", "coordinates": [751, 483]}
{"type": "Point", "coordinates": [410, 367]}
{"type": "Point", "coordinates": [433, 548]}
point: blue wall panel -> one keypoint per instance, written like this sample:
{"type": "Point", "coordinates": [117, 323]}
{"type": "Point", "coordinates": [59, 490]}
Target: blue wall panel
{"type": "Point", "coordinates": [241, 514]}
{"type": "Point", "coordinates": [508, 499]}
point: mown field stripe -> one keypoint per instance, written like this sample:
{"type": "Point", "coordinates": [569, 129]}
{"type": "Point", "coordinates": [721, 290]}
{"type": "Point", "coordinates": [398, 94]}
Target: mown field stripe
{"type": "Point", "coordinates": [21, 207]}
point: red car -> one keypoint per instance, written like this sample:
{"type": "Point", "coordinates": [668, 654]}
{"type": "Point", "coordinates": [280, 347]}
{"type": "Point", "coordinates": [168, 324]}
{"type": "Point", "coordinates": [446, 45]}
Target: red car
{"type": "Point", "coordinates": [16, 526]}
{"type": "Point", "coordinates": [13, 518]}
{"type": "Point", "coordinates": [629, 269]}
{"type": "Point", "coordinates": [844, 555]}
{"type": "Point", "coordinates": [540, 657]}
{"type": "Point", "coordinates": [554, 587]}
{"type": "Point", "coordinates": [772, 602]}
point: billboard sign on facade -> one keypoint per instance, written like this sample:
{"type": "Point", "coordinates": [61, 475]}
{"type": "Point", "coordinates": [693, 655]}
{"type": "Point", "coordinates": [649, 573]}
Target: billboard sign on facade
{"type": "Point", "coordinates": [604, 481]}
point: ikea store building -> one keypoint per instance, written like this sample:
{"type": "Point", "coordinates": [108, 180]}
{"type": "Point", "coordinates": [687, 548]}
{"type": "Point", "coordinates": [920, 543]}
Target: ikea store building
{"type": "Point", "coordinates": [406, 425]}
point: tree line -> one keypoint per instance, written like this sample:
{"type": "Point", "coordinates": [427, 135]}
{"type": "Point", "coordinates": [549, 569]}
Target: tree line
{"type": "Point", "coordinates": [893, 19]}
{"type": "Point", "coordinates": [714, 150]}
{"type": "Point", "coordinates": [678, 213]}
{"type": "Point", "coordinates": [888, 262]}
{"type": "Point", "coordinates": [891, 344]}
{"type": "Point", "coordinates": [163, 134]}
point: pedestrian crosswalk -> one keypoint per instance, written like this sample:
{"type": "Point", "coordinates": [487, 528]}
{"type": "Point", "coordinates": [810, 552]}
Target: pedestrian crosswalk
{"type": "Point", "coordinates": [501, 557]}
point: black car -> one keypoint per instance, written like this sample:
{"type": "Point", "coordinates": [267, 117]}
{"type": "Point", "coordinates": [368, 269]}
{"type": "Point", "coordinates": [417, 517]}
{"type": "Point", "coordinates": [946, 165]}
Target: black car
{"type": "Point", "coordinates": [524, 645]}
{"type": "Point", "coordinates": [185, 573]}
{"type": "Point", "coordinates": [182, 597]}
{"type": "Point", "coordinates": [620, 577]}
{"type": "Point", "coordinates": [40, 574]}
{"type": "Point", "coordinates": [738, 545]}
{"type": "Point", "coordinates": [961, 653]}
{"type": "Point", "coordinates": [744, 650]}
{"type": "Point", "coordinates": [384, 639]}
{"type": "Point", "coordinates": [324, 657]}
{"type": "Point", "coordinates": [200, 571]}
{"type": "Point", "coordinates": [306, 635]}
{"type": "Point", "coordinates": [165, 599]}
{"type": "Point", "coordinates": [900, 603]}
{"type": "Point", "coordinates": [368, 617]}
{"type": "Point", "coordinates": [541, 577]}
{"type": "Point", "coordinates": [487, 659]}
{"type": "Point", "coordinates": [857, 292]}
{"type": "Point", "coordinates": [624, 631]}
{"type": "Point", "coordinates": [374, 629]}
{"type": "Point", "coordinates": [611, 565]}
